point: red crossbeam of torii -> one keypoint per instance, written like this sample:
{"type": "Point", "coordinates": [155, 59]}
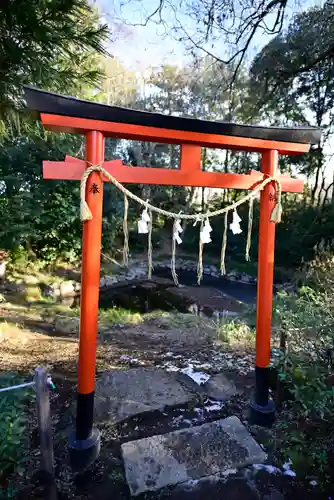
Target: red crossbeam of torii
{"type": "Point", "coordinates": [97, 121]}
{"type": "Point", "coordinates": [189, 174]}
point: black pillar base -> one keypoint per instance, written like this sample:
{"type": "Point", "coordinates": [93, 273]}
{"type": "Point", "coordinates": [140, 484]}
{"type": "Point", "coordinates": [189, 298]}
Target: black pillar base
{"type": "Point", "coordinates": [84, 452]}
{"type": "Point", "coordinates": [262, 415]}
{"type": "Point", "coordinates": [262, 408]}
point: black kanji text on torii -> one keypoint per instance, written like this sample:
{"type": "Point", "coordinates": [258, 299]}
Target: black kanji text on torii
{"type": "Point", "coordinates": [95, 189]}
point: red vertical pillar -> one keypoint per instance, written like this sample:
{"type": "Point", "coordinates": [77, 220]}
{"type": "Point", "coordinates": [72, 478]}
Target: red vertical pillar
{"type": "Point", "coordinates": [263, 409]}
{"type": "Point", "coordinates": [85, 444]}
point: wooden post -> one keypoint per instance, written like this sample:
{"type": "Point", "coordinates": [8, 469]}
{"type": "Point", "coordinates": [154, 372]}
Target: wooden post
{"type": "Point", "coordinates": [44, 421]}
{"type": "Point", "coordinates": [263, 410]}
{"type": "Point", "coordinates": [85, 444]}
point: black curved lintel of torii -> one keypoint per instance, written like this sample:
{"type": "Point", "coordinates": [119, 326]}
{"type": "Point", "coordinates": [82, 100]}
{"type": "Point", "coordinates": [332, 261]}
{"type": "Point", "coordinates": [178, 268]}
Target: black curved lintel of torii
{"type": "Point", "coordinates": [52, 103]}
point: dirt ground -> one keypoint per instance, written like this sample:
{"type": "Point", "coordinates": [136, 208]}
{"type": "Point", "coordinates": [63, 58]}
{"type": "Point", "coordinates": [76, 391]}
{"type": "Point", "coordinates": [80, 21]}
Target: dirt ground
{"type": "Point", "coordinates": [29, 340]}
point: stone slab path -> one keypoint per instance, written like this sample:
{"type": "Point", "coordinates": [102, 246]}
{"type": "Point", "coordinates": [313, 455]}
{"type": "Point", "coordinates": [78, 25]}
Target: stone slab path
{"type": "Point", "coordinates": [156, 462]}
{"type": "Point", "coordinates": [121, 394]}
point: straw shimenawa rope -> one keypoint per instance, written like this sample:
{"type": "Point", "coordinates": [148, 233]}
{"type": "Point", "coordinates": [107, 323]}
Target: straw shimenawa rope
{"type": "Point", "coordinates": [200, 256]}
{"type": "Point", "coordinates": [250, 225]}
{"type": "Point", "coordinates": [276, 215]}
{"type": "Point", "coordinates": [172, 264]}
{"type": "Point", "coordinates": [223, 251]}
{"type": "Point", "coordinates": [85, 214]}
{"type": "Point", "coordinates": [126, 232]}
{"type": "Point", "coordinates": [149, 251]}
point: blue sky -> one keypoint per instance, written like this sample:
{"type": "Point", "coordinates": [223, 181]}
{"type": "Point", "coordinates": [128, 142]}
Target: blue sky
{"type": "Point", "coordinates": [140, 47]}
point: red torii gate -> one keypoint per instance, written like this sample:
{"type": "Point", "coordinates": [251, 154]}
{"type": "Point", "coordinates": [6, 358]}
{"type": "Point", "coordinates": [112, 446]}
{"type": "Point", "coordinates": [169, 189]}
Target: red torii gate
{"type": "Point", "coordinates": [97, 121]}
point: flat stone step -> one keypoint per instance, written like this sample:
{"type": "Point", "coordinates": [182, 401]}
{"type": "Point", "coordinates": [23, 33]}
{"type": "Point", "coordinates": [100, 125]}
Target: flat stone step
{"type": "Point", "coordinates": [220, 387]}
{"type": "Point", "coordinates": [169, 459]}
{"type": "Point", "coordinates": [121, 394]}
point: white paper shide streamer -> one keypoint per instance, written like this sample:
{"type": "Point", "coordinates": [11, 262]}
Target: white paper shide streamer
{"type": "Point", "coordinates": [235, 225]}
{"type": "Point", "coordinates": [177, 231]}
{"type": "Point", "coordinates": [205, 232]}
{"type": "Point", "coordinates": [143, 222]}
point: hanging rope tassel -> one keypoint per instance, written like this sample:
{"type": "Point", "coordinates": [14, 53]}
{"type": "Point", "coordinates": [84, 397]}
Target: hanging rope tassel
{"type": "Point", "coordinates": [276, 215]}
{"type": "Point", "coordinates": [126, 232]}
{"type": "Point", "coordinates": [200, 257]}
{"type": "Point", "coordinates": [173, 265]}
{"type": "Point", "coordinates": [85, 213]}
{"type": "Point", "coordinates": [149, 250]}
{"type": "Point", "coordinates": [250, 225]}
{"type": "Point", "coordinates": [223, 251]}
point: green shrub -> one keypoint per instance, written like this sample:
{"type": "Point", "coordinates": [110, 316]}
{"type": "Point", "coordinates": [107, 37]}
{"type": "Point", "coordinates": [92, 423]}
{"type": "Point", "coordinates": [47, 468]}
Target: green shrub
{"type": "Point", "coordinates": [13, 442]}
{"type": "Point", "coordinates": [318, 273]}
{"type": "Point", "coordinates": [306, 381]}
{"type": "Point", "coordinates": [119, 315]}
{"type": "Point", "coordinates": [305, 321]}
{"type": "Point", "coordinates": [234, 331]}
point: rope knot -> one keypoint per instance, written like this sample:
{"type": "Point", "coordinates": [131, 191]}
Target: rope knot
{"type": "Point", "coordinates": [85, 212]}
{"type": "Point", "coordinates": [276, 215]}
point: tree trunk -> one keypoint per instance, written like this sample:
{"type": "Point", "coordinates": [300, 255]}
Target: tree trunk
{"type": "Point", "coordinates": [322, 188]}
{"type": "Point", "coordinates": [317, 175]}
{"type": "Point", "coordinates": [226, 162]}
{"type": "Point", "coordinates": [328, 188]}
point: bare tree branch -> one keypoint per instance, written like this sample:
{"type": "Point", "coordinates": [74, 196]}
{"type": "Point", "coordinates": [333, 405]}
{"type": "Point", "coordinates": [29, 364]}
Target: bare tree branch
{"type": "Point", "coordinates": [246, 28]}
{"type": "Point", "coordinates": [151, 16]}
{"type": "Point", "coordinates": [232, 22]}
{"type": "Point", "coordinates": [221, 17]}
{"type": "Point", "coordinates": [328, 188]}
{"type": "Point", "coordinates": [244, 31]}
